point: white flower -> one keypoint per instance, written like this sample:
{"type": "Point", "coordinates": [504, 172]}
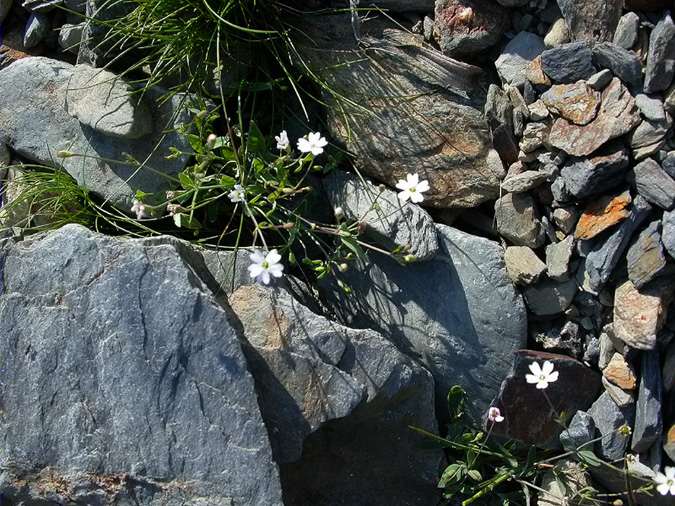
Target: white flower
{"type": "Point", "coordinates": [172, 209]}
{"type": "Point", "coordinates": [139, 209]}
{"type": "Point", "coordinates": [494, 415]}
{"type": "Point", "coordinates": [412, 188]}
{"type": "Point", "coordinates": [282, 140]}
{"type": "Point", "coordinates": [542, 376]}
{"type": "Point", "coordinates": [312, 143]}
{"type": "Point", "coordinates": [339, 212]}
{"type": "Point", "coordinates": [265, 264]}
{"type": "Point", "coordinates": [211, 141]}
{"type": "Point", "coordinates": [665, 483]}
{"type": "Point", "coordinates": [237, 194]}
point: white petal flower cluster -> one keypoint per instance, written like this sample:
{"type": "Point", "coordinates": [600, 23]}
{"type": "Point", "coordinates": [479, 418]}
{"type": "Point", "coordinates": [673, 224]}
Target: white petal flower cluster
{"type": "Point", "coordinates": [541, 375]}
{"type": "Point", "coordinates": [139, 209]}
{"type": "Point", "coordinates": [412, 188]}
{"type": "Point", "coordinates": [237, 194]}
{"type": "Point", "coordinates": [282, 141]}
{"type": "Point", "coordinates": [265, 265]}
{"type": "Point", "coordinates": [312, 143]}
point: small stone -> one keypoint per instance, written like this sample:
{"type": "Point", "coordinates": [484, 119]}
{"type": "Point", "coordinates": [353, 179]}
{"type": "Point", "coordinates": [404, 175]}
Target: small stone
{"type": "Point", "coordinates": [558, 34]}
{"type": "Point", "coordinates": [428, 28]}
{"type": "Point", "coordinates": [626, 34]}
{"type": "Point", "coordinates": [650, 133]}
{"type": "Point", "coordinates": [623, 63]}
{"type": "Point", "coordinates": [622, 398]}
{"type": "Point", "coordinates": [607, 350]}
{"type": "Point", "coordinates": [535, 75]}
{"type": "Point", "coordinates": [668, 236]}
{"type": "Point", "coordinates": [600, 80]}
{"type": "Point", "coordinates": [524, 181]}
{"type": "Point", "coordinates": [661, 56]}
{"type": "Point", "coordinates": [520, 111]}
{"type": "Point", "coordinates": [638, 315]}
{"type": "Point", "coordinates": [523, 265]}
{"type": "Point", "coordinates": [534, 136]}
{"type": "Point", "coordinates": [565, 218]}
{"type": "Point", "coordinates": [498, 109]}
{"type": "Point", "coordinates": [593, 20]}
{"type": "Point", "coordinates": [576, 102]}
{"type": "Point", "coordinates": [505, 144]}
{"type": "Point", "coordinates": [602, 214]}
{"type": "Point", "coordinates": [650, 108]}
{"type": "Point", "coordinates": [620, 373]}
{"type": "Point", "coordinates": [518, 220]}
{"type": "Point", "coordinates": [668, 164]}
{"type": "Point", "coordinates": [654, 184]}
{"type": "Point", "coordinates": [70, 37]}
{"type": "Point", "coordinates": [568, 63]}
{"type": "Point", "coordinates": [558, 258]}
{"type": "Point", "coordinates": [37, 28]}
{"type": "Point", "coordinates": [648, 418]}
{"type": "Point", "coordinates": [513, 63]}
{"type": "Point", "coordinates": [580, 431]}
{"type": "Point", "coordinates": [548, 297]}
{"type": "Point", "coordinates": [538, 111]}
{"type": "Point", "coordinates": [608, 418]}
{"type": "Point", "coordinates": [646, 258]}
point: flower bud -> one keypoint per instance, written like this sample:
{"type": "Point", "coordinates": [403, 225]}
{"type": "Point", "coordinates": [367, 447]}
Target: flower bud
{"type": "Point", "coordinates": [288, 225]}
{"type": "Point", "coordinates": [409, 258]}
{"type": "Point", "coordinates": [211, 141]}
{"type": "Point", "coordinates": [64, 153]}
{"type": "Point", "coordinates": [339, 213]}
{"type": "Point", "coordinates": [343, 267]}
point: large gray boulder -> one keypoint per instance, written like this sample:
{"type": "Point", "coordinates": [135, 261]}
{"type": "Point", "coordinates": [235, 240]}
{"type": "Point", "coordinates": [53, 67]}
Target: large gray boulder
{"type": "Point", "coordinates": [123, 380]}
{"type": "Point", "coordinates": [35, 92]}
{"type": "Point", "coordinates": [401, 107]}
{"type": "Point", "coordinates": [459, 313]}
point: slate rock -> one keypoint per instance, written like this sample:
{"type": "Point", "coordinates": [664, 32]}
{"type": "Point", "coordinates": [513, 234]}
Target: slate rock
{"type": "Point", "coordinates": [70, 37]}
{"type": "Point", "coordinates": [654, 184]}
{"type": "Point", "coordinates": [524, 181]}
{"type": "Point", "coordinates": [498, 109]}
{"type": "Point", "coordinates": [669, 368]}
{"type": "Point", "coordinates": [648, 418]}
{"type": "Point", "coordinates": [36, 30]}
{"type": "Point", "coordinates": [523, 265]}
{"type": "Point", "coordinates": [517, 220]}
{"type": "Point", "coordinates": [123, 360]}
{"type": "Point", "coordinates": [467, 27]}
{"type": "Point", "coordinates": [527, 415]}
{"type": "Point", "coordinates": [38, 80]}
{"type": "Point", "coordinates": [621, 397]}
{"type": "Point", "coordinates": [650, 108]}
{"type": "Point", "coordinates": [626, 34]}
{"type": "Point", "coordinates": [620, 373]}
{"type": "Point", "coordinates": [600, 80]}
{"type": "Point", "coordinates": [602, 214]}
{"type": "Point", "coordinates": [650, 133]}
{"type": "Point", "coordinates": [98, 47]}
{"type": "Point", "coordinates": [593, 20]}
{"type": "Point", "coordinates": [660, 66]}
{"type": "Point", "coordinates": [387, 222]}
{"type": "Point", "coordinates": [515, 58]}
{"type": "Point", "coordinates": [549, 297]}
{"type": "Point", "coordinates": [538, 111]}
{"type": "Point", "coordinates": [535, 136]}
{"type": "Point", "coordinates": [558, 257]}
{"type": "Point", "coordinates": [568, 63]}
{"type": "Point", "coordinates": [639, 315]}
{"type": "Point", "coordinates": [608, 418]}
{"type": "Point", "coordinates": [430, 122]}
{"type": "Point", "coordinates": [580, 431]}
{"type": "Point", "coordinates": [646, 257]}
{"type": "Point", "coordinates": [565, 218]}
{"type": "Point", "coordinates": [446, 312]}
{"type": "Point", "coordinates": [668, 236]}
{"type": "Point", "coordinates": [558, 337]}
{"type": "Point", "coordinates": [617, 116]}
{"type": "Point", "coordinates": [623, 63]}
{"type": "Point", "coordinates": [576, 102]}
{"type": "Point", "coordinates": [668, 164]}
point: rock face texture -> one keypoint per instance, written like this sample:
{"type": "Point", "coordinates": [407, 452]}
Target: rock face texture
{"type": "Point", "coordinates": [121, 368]}
{"type": "Point", "coordinates": [410, 110]}
{"type": "Point", "coordinates": [591, 19]}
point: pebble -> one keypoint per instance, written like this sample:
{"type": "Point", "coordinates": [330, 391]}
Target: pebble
{"type": "Point", "coordinates": [524, 181]}
{"type": "Point", "coordinates": [646, 258]}
{"type": "Point", "coordinates": [549, 297]}
{"type": "Point", "coordinates": [607, 349]}
{"type": "Point", "coordinates": [576, 102]}
{"type": "Point", "coordinates": [648, 419]}
{"type": "Point", "coordinates": [558, 34]}
{"type": "Point", "coordinates": [600, 80]}
{"type": "Point", "coordinates": [661, 56]}
{"type": "Point", "coordinates": [620, 373]}
{"type": "Point", "coordinates": [654, 184]}
{"type": "Point", "coordinates": [601, 214]}
{"type": "Point", "coordinates": [638, 315]}
{"type": "Point", "coordinates": [565, 218]}
{"type": "Point", "coordinates": [37, 28]}
{"type": "Point", "coordinates": [538, 111]}
{"type": "Point", "coordinates": [518, 220]}
{"type": "Point", "coordinates": [558, 257]}
{"type": "Point", "coordinates": [523, 265]}
{"type": "Point", "coordinates": [650, 108]}
{"type": "Point", "coordinates": [608, 418]}
{"type": "Point", "coordinates": [512, 64]}
{"type": "Point", "coordinates": [580, 431]}
{"type": "Point", "coordinates": [535, 75]}
{"type": "Point", "coordinates": [568, 63]}
{"type": "Point", "coordinates": [623, 63]}
{"type": "Point", "coordinates": [626, 34]}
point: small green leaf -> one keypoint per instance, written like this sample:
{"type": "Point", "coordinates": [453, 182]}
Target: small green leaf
{"type": "Point", "coordinates": [186, 181]}
{"type": "Point", "coordinates": [256, 140]}
{"type": "Point", "coordinates": [182, 220]}
{"type": "Point", "coordinates": [195, 143]}
{"type": "Point", "coordinates": [475, 475]}
{"type": "Point", "coordinates": [227, 181]}
{"type": "Point", "coordinates": [589, 458]}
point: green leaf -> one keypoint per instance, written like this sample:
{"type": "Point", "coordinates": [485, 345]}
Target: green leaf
{"type": "Point", "coordinates": [589, 458]}
{"type": "Point", "coordinates": [452, 473]}
{"type": "Point", "coordinates": [183, 220]}
{"type": "Point", "coordinates": [186, 181]}
{"type": "Point", "coordinates": [195, 143]}
{"type": "Point", "coordinates": [227, 181]}
{"type": "Point", "coordinates": [475, 475]}
{"type": "Point", "coordinates": [256, 140]}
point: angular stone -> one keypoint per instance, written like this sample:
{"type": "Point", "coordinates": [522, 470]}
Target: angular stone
{"type": "Point", "coordinates": [575, 102]}
{"type": "Point", "coordinates": [37, 28]}
{"type": "Point", "coordinates": [37, 80]}
{"type": "Point", "coordinates": [535, 75]}
{"type": "Point", "coordinates": [457, 308]}
{"type": "Point", "coordinates": [654, 184]}
{"type": "Point", "coordinates": [580, 431]}
{"type": "Point", "coordinates": [558, 34]}
{"type": "Point", "coordinates": [648, 419]}
{"type": "Point", "coordinates": [524, 181]}
{"type": "Point", "coordinates": [583, 177]}
{"type": "Point", "coordinates": [411, 109]}
{"type": "Point", "coordinates": [538, 111]}
{"type": "Point", "coordinates": [517, 219]}
{"type": "Point", "coordinates": [558, 257]}
{"type": "Point", "coordinates": [566, 218]}
{"type": "Point", "coordinates": [617, 115]}
{"type": "Point", "coordinates": [600, 80]}
{"type": "Point", "coordinates": [534, 136]}
{"type": "Point", "coordinates": [498, 108]}
{"type": "Point", "coordinates": [593, 20]}
{"type": "Point", "coordinates": [660, 66]}
{"type": "Point", "coordinates": [626, 34]}
{"type": "Point", "coordinates": [649, 133]}
{"type": "Point", "coordinates": [466, 27]}
{"type": "Point", "coordinates": [558, 337]}
{"type": "Point", "coordinates": [620, 373]}
{"type": "Point", "coordinates": [650, 108]}
{"type": "Point", "coordinates": [70, 37]}
{"type": "Point", "coordinates": [624, 64]}
{"type": "Point", "coordinates": [608, 418]}
{"type": "Point", "coordinates": [388, 223]}
{"type": "Point", "coordinates": [638, 315]}
{"type": "Point", "coordinates": [527, 415]}
{"type": "Point", "coordinates": [523, 265]}
{"type": "Point", "coordinates": [646, 258]}
{"type": "Point", "coordinates": [621, 397]}
{"type": "Point", "coordinates": [41, 5]}
{"type": "Point", "coordinates": [568, 63]}
{"type": "Point", "coordinates": [601, 214]}
{"type": "Point", "coordinates": [550, 297]}
{"type": "Point", "coordinates": [515, 58]}
{"type": "Point", "coordinates": [125, 362]}
{"type": "Point", "coordinates": [668, 237]}
{"type": "Point", "coordinates": [669, 368]}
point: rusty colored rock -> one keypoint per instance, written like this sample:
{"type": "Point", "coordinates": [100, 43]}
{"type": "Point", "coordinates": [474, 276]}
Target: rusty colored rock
{"type": "Point", "coordinates": [617, 116]}
{"type": "Point", "coordinates": [535, 74]}
{"type": "Point", "coordinates": [639, 315]}
{"type": "Point", "coordinates": [575, 102]}
{"type": "Point", "coordinates": [620, 373]}
{"type": "Point", "coordinates": [12, 48]}
{"type": "Point", "coordinates": [602, 214]}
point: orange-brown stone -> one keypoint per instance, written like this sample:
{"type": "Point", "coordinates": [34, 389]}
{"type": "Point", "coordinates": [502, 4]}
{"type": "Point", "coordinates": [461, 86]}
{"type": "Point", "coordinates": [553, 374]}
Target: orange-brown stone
{"type": "Point", "coordinates": [535, 74]}
{"type": "Point", "coordinates": [620, 373]}
{"type": "Point", "coordinates": [602, 214]}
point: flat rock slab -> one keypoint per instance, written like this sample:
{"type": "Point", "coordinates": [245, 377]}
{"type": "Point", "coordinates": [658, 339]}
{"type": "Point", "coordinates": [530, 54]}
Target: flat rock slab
{"type": "Point", "coordinates": [35, 91]}
{"type": "Point", "coordinates": [639, 315]}
{"type": "Point", "coordinates": [602, 214]}
{"type": "Point", "coordinates": [568, 63]}
{"type": "Point", "coordinates": [608, 419]}
{"type": "Point", "coordinates": [119, 357]}
{"type": "Point", "coordinates": [646, 257]}
{"type": "Point", "coordinates": [575, 102]}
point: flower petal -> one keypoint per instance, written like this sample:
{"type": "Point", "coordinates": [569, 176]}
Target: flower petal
{"type": "Point", "coordinates": [402, 185]}
{"type": "Point", "coordinates": [547, 368]}
{"type": "Point", "coordinates": [265, 277]}
{"type": "Point", "coordinates": [417, 197]}
{"type": "Point", "coordinates": [276, 270]}
{"type": "Point", "coordinates": [535, 368]}
{"type": "Point", "coordinates": [552, 377]}
{"type": "Point", "coordinates": [255, 270]}
{"type": "Point", "coordinates": [670, 472]}
{"type": "Point", "coordinates": [542, 385]}
{"type": "Point", "coordinates": [413, 179]}
{"type": "Point", "coordinates": [663, 489]}
{"type": "Point", "coordinates": [404, 196]}
{"type": "Point", "coordinates": [423, 186]}
{"type": "Point", "coordinates": [304, 145]}
{"type": "Point", "coordinates": [531, 378]}
{"type": "Point", "coordinates": [273, 257]}
{"type": "Point", "coordinates": [257, 256]}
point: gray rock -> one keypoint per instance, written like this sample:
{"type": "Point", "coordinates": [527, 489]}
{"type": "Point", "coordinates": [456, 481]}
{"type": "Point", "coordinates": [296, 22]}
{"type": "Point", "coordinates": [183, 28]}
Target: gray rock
{"type": "Point", "coordinates": [446, 313]}
{"type": "Point", "coordinates": [515, 58]}
{"type": "Point", "coordinates": [97, 47]}
{"type": "Point", "coordinates": [650, 133]}
{"type": "Point", "coordinates": [5, 155]}
{"type": "Point", "coordinates": [107, 103]}
{"type": "Point", "coordinates": [591, 19]}
{"type": "Point", "coordinates": [524, 181]}
{"type": "Point", "coordinates": [388, 222]}
{"type": "Point", "coordinates": [498, 109]}
{"type": "Point", "coordinates": [517, 220]}
{"type": "Point", "coordinates": [623, 63]}
{"type": "Point", "coordinates": [568, 63]}
{"type": "Point", "coordinates": [668, 237]}
{"type": "Point", "coordinates": [651, 108]}
{"type": "Point", "coordinates": [626, 34]}
{"type": "Point", "coordinates": [668, 374]}
{"type": "Point", "coordinates": [580, 431]}
{"type": "Point", "coordinates": [37, 28]}
{"type": "Point", "coordinates": [608, 418]}
{"type": "Point", "coordinates": [5, 6]}
{"type": "Point", "coordinates": [619, 396]}
{"type": "Point", "coordinates": [349, 392]}
{"type": "Point", "coordinates": [654, 184]}
{"type": "Point", "coordinates": [660, 66]}
{"type": "Point", "coordinates": [70, 37]}
{"type": "Point", "coordinates": [40, 80]}
{"type": "Point", "coordinates": [124, 361]}
{"type": "Point", "coordinates": [566, 218]}
{"type": "Point", "coordinates": [538, 111]}
{"type": "Point", "coordinates": [558, 257]}
{"type": "Point", "coordinates": [548, 297]}
{"type": "Point", "coordinates": [534, 136]}
{"type": "Point", "coordinates": [648, 419]}
{"type": "Point", "coordinates": [668, 164]}
{"type": "Point", "coordinates": [607, 349]}
{"type": "Point", "coordinates": [558, 34]}
{"type": "Point", "coordinates": [605, 253]}
{"type": "Point", "coordinates": [583, 177]}
{"type": "Point", "coordinates": [646, 258]}
{"type": "Point", "coordinates": [523, 265]}
{"type": "Point", "coordinates": [600, 80]}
